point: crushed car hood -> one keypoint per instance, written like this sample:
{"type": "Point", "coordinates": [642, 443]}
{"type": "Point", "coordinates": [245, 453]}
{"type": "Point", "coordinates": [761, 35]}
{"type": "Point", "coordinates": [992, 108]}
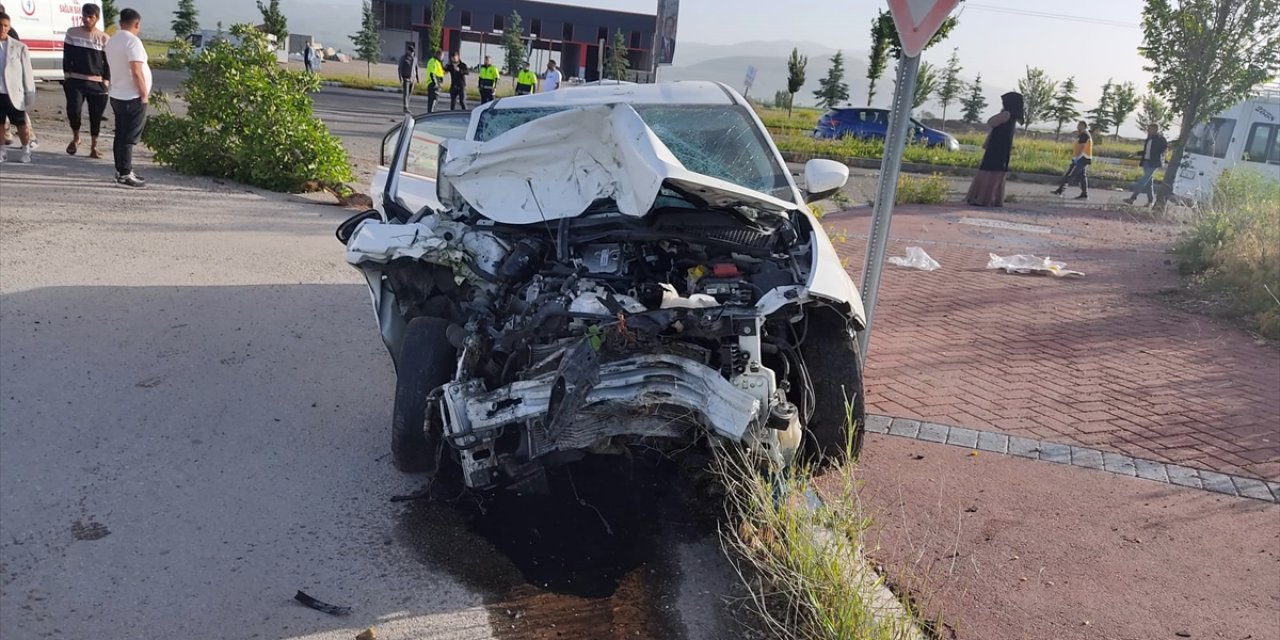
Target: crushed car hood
{"type": "Point", "coordinates": [559, 165]}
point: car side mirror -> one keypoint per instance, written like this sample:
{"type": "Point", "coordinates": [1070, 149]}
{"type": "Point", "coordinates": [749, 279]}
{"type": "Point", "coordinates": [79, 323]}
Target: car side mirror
{"type": "Point", "coordinates": [823, 178]}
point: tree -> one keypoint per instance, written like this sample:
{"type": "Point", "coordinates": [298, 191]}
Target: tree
{"type": "Point", "coordinates": [1205, 56]}
{"type": "Point", "coordinates": [185, 19]}
{"type": "Point", "coordinates": [1124, 100]}
{"type": "Point", "coordinates": [1037, 96]}
{"type": "Point", "coordinates": [368, 42]}
{"type": "Point", "coordinates": [951, 87]}
{"type": "Point", "coordinates": [975, 103]}
{"type": "Point", "coordinates": [273, 21]}
{"type": "Point", "coordinates": [832, 89]}
{"type": "Point", "coordinates": [879, 59]}
{"type": "Point", "coordinates": [618, 63]}
{"type": "Point", "coordinates": [435, 31]}
{"type": "Point", "coordinates": [795, 76]}
{"type": "Point", "coordinates": [1063, 109]}
{"type": "Point", "coordinates": [781, 99]}
{"type": "Point", "coordinates": [513, 45]}
{"type": "Point", "coordinates": [1154, 112]}
{"type": "Point", "coordinates": [926, 84]}
{"type": "Point", "coordinates": [109, 13]}
{"type": "Point", "coordinates": [1100, 116]}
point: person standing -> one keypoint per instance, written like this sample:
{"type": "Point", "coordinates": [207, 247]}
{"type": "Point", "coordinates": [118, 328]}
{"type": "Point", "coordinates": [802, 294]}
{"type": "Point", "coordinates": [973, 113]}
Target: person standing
{"type": "Point", "coordinates": [84, 65]}
{"type": "Point", "coordinates": [458, 71]}
{"type": "Point", "coordinates": [1081, 158]}
{"type": "Point", "coordinates": [987, 189]}
{"type": "Point", "coordinates": [311, 59]}
{"type": "Point", "coordinates": [1153, 151]}
{"type": "Point", "coordinates": [408, 73]}
{"type": "Point", "coordinates": [552, 80]}
{"type": "Point", "coordinates": [130, 93]}
{"type": "Point", "coordinates": [488, 80]}
{"type": "Point", "coordinates": [435, 80]}
{"type": "Point", "coordinates": [17, 88]}
{"type": "Point", "coordinates": [526, 81]}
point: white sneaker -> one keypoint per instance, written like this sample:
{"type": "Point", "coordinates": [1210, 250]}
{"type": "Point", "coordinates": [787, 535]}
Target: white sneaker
{"type": "Point", "coordinates": [26, 154]}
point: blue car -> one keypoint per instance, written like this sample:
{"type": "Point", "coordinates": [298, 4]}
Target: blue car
{"type": "Point", "coordinates": [871, 123]}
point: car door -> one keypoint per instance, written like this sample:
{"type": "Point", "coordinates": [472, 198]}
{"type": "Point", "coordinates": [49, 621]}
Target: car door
{"type": "Point", "coordinates": [415, 179]}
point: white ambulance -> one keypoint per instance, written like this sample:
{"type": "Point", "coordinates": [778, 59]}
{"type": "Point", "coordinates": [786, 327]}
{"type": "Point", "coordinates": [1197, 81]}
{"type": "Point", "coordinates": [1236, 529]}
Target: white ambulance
{"type": "Point", "coordinates": [42, 25]}
{"type": "Point", "coordinates": [1244, 137]}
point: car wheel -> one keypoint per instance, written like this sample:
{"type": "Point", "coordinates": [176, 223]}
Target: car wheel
{"type": "Point", "coordinates": [830, 353]}
{"type": "Point", "coordinates": [427, 360]}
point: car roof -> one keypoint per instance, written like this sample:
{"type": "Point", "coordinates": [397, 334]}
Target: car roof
{"type": "Point", "coordinates": [684, 92]}
{"type": "Point", "coordinates": [850, 108]}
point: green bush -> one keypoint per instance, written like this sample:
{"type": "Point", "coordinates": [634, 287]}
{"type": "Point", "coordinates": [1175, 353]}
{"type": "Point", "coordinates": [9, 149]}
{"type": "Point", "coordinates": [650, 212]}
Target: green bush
{"type": "Point", "coordinates": [249, 120]}
{"type": "Point", "coordinates": [1234, 247]}
{"type": "Point", "coordinates": [912, 189]}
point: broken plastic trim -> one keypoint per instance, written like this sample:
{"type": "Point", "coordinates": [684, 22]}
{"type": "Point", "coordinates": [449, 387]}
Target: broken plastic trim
{"type": "Point", "coordinates": [323, 607]}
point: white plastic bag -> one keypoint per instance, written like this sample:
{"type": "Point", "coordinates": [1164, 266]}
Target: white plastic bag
{"type": "Point", "coordinates": [916, 259]}
{"type": "Point", "coordinates": [1031, 264]}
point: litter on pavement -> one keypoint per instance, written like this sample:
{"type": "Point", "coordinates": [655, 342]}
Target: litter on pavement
{"type": "Point", "coordinates": [1031, 264]}
{"type": "Point", "coordinates": [323, 607]}
{"type": "Point", "coordinates": [916, 259]}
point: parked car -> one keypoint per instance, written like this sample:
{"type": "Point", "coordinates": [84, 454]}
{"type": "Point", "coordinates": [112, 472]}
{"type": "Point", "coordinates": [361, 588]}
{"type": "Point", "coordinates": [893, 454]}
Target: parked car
{"type": "Point", "coordinates": [873, 124]}
{"type": "Point", "coordinates": [1245, 137]}
{"type": "Point", "coordinates": [616, 266]}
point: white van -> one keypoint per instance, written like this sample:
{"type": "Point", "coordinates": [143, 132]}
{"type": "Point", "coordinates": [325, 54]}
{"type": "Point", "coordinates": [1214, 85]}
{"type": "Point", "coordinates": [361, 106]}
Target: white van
{"type": "Point", "coordinates": [42, 25]}
{"type": "Point", "coordinates": [1246, 136]}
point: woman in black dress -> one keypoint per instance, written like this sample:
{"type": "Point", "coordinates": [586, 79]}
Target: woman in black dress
{"type": "Point", "coordinates": [987, 189]}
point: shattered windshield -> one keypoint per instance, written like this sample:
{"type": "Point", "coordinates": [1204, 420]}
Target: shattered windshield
{"type": "Point", "coordinates": [720, 141]}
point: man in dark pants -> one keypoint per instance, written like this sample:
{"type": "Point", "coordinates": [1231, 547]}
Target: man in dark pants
{"type": "Point", "coordinates": [458, 71]}
{"type": "Point", "coordinates": [435, 78]}
{"type": "Point", "coordinates": [84, 65]}
{"type": "Point", "coordinates": [408, 73]}
{"type": "Point", "coordinates": [1153, 151]}
{"type": "Point", "coordinates": [488, 80]}
{"type": "Point", "coordinates": [130, 90]}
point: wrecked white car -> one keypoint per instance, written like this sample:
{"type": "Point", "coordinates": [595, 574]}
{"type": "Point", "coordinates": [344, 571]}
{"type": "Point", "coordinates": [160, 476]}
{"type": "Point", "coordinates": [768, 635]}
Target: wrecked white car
{"type": "Point", "coordinates": [583, 271]}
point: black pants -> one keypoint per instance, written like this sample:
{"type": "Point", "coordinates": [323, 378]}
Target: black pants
{"type": "Point", "coordinates": [457, 95]}
{"type": "Point", "coordinates": [79, 92]}
{"type": "Point", "coordinates": [486, 94]}
{"type": "Point", "coordinates": [406, 90]}
{"type": "Point", "coordinates": [1077, 172]}
{"type": "Point", "coordinates": [131, 117]}
{"type": "Point", "coordinates": [433, 94]}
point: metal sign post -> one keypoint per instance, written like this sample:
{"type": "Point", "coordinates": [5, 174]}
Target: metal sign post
{"type": "Point", "coordinates": [887, 192]}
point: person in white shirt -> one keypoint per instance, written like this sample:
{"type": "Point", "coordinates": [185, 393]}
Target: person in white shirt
{"type": "Point", "coordinates": [553, 77]}
{"type": "Point", "coordinates": [17, 88]}
{"type": "Point", "coordinates": [130, 90]}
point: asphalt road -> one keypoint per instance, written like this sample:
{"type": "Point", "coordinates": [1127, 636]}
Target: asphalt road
{"type": "Point", "coordinates": [194, 412]}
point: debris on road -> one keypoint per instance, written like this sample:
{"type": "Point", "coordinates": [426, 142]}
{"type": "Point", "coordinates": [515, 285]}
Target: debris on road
{"type": "Point", "coordinates": [323, 607]}
{"type": "Point", "coordinates": [368, 634]}
{"type": "Point", "coordinates": [916, 259]}
{"type": "Point", "coordinates": [1031, 264]}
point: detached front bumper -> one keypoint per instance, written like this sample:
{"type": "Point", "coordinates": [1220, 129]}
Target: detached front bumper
{"type": "Point", "coordinates": [642, 396]}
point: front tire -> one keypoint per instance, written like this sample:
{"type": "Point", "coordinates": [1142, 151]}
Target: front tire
{"type": "Point", "coordinates": [830, 353]}
{"type": "Point", "coordinates": [427, 360]}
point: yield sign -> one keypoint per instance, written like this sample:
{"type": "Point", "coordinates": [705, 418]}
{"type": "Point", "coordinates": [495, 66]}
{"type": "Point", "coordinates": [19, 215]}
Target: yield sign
{"type": "Point", "coordinates": [918, 20]}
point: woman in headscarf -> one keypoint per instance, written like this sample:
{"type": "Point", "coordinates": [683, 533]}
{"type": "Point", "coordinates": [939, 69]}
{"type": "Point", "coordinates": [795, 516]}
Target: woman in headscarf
{"type": "Point", "coordinates": [987, 189]}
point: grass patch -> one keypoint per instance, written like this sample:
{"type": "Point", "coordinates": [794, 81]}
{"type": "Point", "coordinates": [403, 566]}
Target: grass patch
{"type": "Point", "coordinates": [802, 564]}
{"type": "Point", "coordinates": [1028, 157]}
{"type": "Point", "coordinates": [1233, 249]}
{"type": "Point", "coordinates": [913, 189]}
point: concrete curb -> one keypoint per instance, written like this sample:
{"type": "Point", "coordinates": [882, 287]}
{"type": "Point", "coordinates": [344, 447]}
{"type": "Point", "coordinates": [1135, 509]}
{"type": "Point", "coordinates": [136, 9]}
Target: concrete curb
{"type": "Point", "coordinates": [1076, 456]}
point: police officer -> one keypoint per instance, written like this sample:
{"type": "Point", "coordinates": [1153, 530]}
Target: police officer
{"type": "Point", "coordinates": [526, 81]}
{"type": "Point", "coordinates": [435, 78]}
{"type": "Point", "coordinates": [488, 80]}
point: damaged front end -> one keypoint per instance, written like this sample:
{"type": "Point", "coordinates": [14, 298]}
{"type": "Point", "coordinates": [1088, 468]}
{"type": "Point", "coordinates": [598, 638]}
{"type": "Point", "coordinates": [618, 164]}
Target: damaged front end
{"type": "Point", "coordinates": [666, 316]}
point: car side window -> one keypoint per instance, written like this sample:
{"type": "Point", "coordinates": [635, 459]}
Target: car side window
{"type": "Point", "coordinates": [424, 149]}
{"type": "Point", "coordinates": [1261, 138]}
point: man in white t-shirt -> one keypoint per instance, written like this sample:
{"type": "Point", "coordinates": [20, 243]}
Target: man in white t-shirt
{"type": "Point", "coordinates": [552, 81]}
{"type": "Point", "coordinates": [130, 90]}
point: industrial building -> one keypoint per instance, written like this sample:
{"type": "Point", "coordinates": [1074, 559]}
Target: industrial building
{"type": "Point", "coordinates": [567, 34]}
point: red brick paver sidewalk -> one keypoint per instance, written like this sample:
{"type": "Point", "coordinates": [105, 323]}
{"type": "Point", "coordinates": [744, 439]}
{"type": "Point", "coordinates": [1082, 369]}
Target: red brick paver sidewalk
{"type": "Point", "coordinates": [1100, 361]}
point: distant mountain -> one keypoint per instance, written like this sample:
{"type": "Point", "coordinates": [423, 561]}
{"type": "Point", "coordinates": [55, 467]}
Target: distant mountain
{"type": "Point", "coordinates": [691, 53]}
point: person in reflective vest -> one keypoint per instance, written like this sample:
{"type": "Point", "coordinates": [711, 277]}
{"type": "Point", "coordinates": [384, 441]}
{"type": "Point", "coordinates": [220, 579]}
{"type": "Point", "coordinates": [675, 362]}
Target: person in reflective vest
{"type": "Point", "coordinates": [526, 81]}
{"type": "Point", "coordinates": [435, 78]}
{"type": "Point", "coordinates": [488, 80]}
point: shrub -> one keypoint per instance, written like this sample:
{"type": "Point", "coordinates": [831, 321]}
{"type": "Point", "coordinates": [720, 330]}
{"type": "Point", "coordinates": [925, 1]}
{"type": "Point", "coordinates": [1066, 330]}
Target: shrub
{"type": "Point", "coordinates": [249, 120]}
{"type": "Point", "coordinates": [1234, 247]}
{"type": "Point", "coordinates": [912, 189]}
